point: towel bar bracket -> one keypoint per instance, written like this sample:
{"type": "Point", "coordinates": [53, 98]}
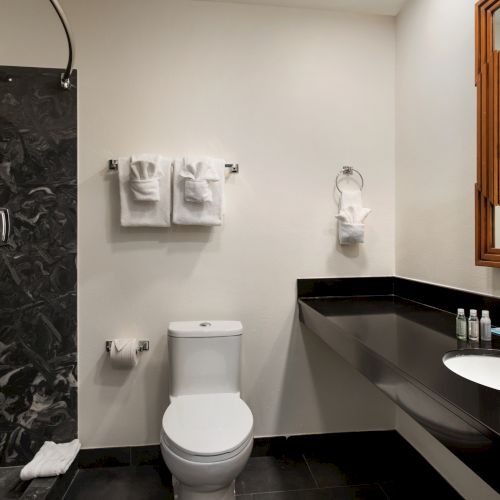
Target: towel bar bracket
{"type": "Point", "coordinates": [143, 345]}
{"type": "Point", "coordinates": [234, 168]}
{"type": "Point", "coordinates": [113, 165]}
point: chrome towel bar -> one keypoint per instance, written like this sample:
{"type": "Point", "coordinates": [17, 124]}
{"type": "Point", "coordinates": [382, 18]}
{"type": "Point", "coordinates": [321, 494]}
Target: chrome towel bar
{"type": "Point", "coordinates": [234, 168]}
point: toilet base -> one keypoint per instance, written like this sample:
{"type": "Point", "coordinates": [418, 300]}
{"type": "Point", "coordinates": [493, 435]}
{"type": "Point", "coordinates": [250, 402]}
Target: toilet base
{"type": "Point", "coordinates": [184, 492]}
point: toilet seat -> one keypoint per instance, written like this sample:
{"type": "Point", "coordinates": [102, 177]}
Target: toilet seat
{"type": "Point", "coordinates": [207, 427]}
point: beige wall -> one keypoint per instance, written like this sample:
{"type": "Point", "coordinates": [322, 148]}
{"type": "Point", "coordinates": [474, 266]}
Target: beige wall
{"type": "Point", "coordinates": [289, 94]}
{"type": "Point", "coordinates": [436, 146]}
{"type": "Point", "coordinates": [435, 176]}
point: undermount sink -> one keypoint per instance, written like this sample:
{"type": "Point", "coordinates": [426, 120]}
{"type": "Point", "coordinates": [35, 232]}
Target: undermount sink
{"type": "Point", "coordinates": [481, 366]}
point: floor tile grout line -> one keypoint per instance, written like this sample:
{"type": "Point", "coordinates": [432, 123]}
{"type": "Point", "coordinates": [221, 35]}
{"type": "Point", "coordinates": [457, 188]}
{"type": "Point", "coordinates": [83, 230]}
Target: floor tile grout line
{"type": "Point", "coordinates": [319, 488]}
{"type": "Point", "coordinates": [383, 490]}
{"type": "Point", "coordinates": [70, 484]}
{"type": "Point", "coordinates": [309, 469]}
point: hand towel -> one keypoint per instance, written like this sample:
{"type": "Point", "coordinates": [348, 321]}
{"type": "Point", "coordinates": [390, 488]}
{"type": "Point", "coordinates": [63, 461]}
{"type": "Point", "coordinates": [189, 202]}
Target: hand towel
{"type": "Point", "coordinates": [351, 218]}
{"type": "Point", "coordinates": [197, 173]}
{"type": "Point", "coordinates": [207, 213]}
{"type": "Point", "coordinates": [145, 213]}
{"type": "Point", "coordinates": [51, 460]}
{"type": "Point", "coordinates": [145, 173]}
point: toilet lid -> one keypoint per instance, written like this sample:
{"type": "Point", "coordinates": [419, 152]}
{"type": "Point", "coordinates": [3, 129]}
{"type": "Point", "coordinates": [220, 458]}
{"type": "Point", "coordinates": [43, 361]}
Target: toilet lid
{"type": "Point", "coordinates": [207, 425]}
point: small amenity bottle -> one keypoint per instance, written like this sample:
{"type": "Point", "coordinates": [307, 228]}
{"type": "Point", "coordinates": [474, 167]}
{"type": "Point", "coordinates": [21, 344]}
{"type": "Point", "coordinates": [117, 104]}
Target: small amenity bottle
{"type": "Point", "coordinates": [461, 324]}
{"type": "Point", "coordinates": [473, 326]}
{"type": "Point", "coordinates": [485, 326]}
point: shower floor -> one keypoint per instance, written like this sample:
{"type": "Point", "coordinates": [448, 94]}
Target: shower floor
{"type": "Point", "coordinates": [10, 484]}
{"type": "Point", "coordinates": [12, 488]}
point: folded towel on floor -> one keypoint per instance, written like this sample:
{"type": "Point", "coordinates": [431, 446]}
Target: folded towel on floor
{"type": "Point", "coordinates": [197, 174]}
{"type": "Point", "coordinates": [145, 173]}
{"type": "Point", "coordinates": [351, 217]}
{"type": "Point", "coordinates": [51, 460]}
{"type": "Point", "coordinates": [150, 213]}
{"type": "Point", "coordinates": [194, 206]}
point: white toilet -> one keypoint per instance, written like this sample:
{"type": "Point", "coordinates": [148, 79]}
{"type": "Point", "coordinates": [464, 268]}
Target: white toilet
{"type": "Point", "coordinates": [207, 430]}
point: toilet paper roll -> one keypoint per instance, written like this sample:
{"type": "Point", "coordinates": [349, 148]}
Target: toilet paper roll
{"type": "Point", "coordinates": [123, 353]}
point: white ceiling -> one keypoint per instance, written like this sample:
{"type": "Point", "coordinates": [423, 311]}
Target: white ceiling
{"type": "Point", "coordinates": [385, 7]}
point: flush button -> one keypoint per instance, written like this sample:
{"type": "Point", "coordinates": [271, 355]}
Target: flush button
{"type": "Point", "coordinates": [206, 323]}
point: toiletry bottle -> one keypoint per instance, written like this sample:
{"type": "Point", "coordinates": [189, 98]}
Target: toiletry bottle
{"type": "Point", "coordinates": [485, 326]}
{"type": "Point", "coordinates": [473, 326]}
{"type": "Point", "coordinates": [461, 325]}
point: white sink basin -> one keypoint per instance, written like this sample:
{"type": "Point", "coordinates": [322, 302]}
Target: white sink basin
{"type": "Point", "coordinates": [480, 366]}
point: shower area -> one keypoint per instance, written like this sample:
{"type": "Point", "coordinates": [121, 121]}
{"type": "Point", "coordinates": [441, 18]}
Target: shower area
{"type": "Point", "coordinates": [38, 250]}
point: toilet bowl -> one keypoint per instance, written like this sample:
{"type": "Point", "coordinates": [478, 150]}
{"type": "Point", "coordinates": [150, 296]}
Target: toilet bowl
{"type": "Point", "coordinates": [207, 430]}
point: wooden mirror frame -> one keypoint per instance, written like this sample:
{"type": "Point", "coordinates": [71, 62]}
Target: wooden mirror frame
{"type": "Point", "coordinates": [488, 133]}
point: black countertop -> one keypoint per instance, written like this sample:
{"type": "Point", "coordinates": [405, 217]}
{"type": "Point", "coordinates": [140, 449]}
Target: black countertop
{"type": "Point", "coordinates": [399, 344]}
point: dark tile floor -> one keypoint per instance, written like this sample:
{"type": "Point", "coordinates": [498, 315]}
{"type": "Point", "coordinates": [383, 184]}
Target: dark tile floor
{"type": "Point", "coordinates": [355, 466]}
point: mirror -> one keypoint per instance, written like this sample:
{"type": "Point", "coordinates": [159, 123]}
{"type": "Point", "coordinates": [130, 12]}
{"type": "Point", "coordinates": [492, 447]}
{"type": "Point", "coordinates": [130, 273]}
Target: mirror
{"type": "Point", "coordinates": [496, 30]}
{"type": "Point", "coordinates": [496, 229]}
{"type": "Point", "coordinates": [488, 130]}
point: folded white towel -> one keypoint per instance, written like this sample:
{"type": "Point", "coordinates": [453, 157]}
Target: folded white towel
{"type": "Point", "coordinates": [145, 173]}
{"type": "Point", "coordinates": [51, 460]}
{"type": "Point", "coordinates": [198, 172]}
{"type": "Point", "coordinates": [351, 234]}
{"type": "Point", "coordinates": [150, 213]}
{"type": "Point", "coordinates": [351, 217]}
{"type": "Point", "coordinates": [192, 204]}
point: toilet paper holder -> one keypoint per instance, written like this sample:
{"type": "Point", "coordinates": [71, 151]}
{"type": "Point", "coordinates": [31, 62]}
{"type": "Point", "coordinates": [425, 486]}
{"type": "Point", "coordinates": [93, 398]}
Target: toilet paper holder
{"type": "Point", "coordinates": [143, 345]}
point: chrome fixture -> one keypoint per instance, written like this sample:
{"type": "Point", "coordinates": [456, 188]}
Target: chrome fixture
{"type": "Point", "coordinates": [66, 76]}
{"type": "Point", "coordinates": [234, 168]}
{"type": "Point", "coordinates": [347, 172]}
{"type": "Point", "coordinates": [4, 226]}
{"type": "Point", "coordinates": [143, 345]}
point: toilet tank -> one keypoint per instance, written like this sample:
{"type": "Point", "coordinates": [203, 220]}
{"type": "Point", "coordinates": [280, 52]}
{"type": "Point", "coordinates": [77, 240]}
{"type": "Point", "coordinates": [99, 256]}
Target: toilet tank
{"type": "Point", "coordinates": [204, 357]}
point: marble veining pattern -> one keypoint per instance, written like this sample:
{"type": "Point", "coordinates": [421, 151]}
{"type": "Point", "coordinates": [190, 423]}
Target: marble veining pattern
{"type": "Point", "coordinates": [38, 184]}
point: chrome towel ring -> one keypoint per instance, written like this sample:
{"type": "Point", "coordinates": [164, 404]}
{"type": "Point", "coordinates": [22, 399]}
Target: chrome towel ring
{"type": "Point", "coordinates": [348, 171]}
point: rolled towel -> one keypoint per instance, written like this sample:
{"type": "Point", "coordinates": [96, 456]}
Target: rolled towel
{"type": "Point", "coordinates": [51, 460]}
{"type": "Point", "coordinates": [351, 216]}
{"type": "Point", "coordinates": [145, 173]}
{"type": "Point", "coordinates": [350, 233]}
{"type": "Point", "coordinates": [197, 173]}
{"type": "Point", "coordinates": [149, 213]}
{"type": "Point", "coordinates": [198, 213]}
{"type": "Point", "coordinates": [352, 202]}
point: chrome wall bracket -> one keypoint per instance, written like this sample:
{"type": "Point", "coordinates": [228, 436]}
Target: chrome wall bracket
{"type": "Point", "coordinates": [4, 226]}
{"type": "Point", "coordinates": [143, 345]}
{"type": "Point", "coordinates": [348, 171]}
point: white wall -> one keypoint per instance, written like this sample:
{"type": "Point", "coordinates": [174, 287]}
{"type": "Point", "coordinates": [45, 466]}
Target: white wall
{"type": "Point", "coordinates": [436, 146]}
{"type": "Point", "coordinates": [289, 94]}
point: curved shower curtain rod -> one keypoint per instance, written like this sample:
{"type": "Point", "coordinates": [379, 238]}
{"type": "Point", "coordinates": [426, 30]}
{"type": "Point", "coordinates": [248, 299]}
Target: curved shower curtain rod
{"type": "Point", "coordinates": [66, 76]}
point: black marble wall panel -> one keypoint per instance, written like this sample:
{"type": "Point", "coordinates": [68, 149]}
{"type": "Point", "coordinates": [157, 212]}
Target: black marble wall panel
{"type": "Point", "coordinates": [38, 171]}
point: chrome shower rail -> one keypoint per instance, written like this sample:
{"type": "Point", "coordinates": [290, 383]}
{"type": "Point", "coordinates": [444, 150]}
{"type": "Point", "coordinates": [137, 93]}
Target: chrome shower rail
{"type": "Point", "coordinates": [66, 76]}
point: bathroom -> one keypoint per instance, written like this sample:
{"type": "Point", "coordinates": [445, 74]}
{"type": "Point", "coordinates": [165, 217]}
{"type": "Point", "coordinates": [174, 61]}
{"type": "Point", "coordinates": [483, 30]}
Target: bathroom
{"type": "Point", "coordinates": [291, 91]}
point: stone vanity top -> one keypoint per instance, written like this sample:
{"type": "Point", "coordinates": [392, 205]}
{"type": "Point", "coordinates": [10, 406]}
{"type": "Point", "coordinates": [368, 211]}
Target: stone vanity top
{"type": "Point", "coordinates": [396, 332]}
